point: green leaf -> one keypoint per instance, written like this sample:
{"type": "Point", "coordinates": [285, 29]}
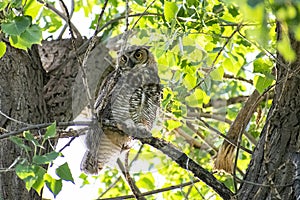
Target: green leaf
{"type": "Point", "coordinates": [28, 136]}
{"type": "Point", "coordinates": [53, 22]}
{"type": "Point", "coordinates": [45, 159]}
{"type": "Point", "coordinates": [39, 183]}
{"type": "Point", "coordinates": [229, 66]}
{"type": "Point", "coordinates": [32, 8]}
{"type": "Point", "coordinates": [262, 82]}
{"type": "Point", "coordinates": [2, 49]}
{"type": "Point", "coordinates": [253, 3]}
{"type": "Point", "coordinates": [146, 181]}
{"type": "Point", "coordinates": [19, 142]}
{"type": "Point", "coordinates": [64, 172]}
{"type": "Point", "coordinates": [190, 81]}
{"type": "Point", "coordinates": [30, 36]}
{"type": "Point", "coordinates": [84, 178]}
{"type": "Point", "coordinates": [172, 124]}
{"type": "Point", "coordinates": [33, 35]}
{"type": "Point", "coordinates": [17, 26]}
{"type": "Point", "coordinates": [261, 66]}
{"type": "Point", "coordinates": [197, 98]}
{"type": "Point", "coordinates": [18, 42]}
{"type": "Point", "coordinates": [52, 184]}
{"type": "Point", "coordinates": [2, 7]}
{"type": "Point", "coordinates": [140, 2]}
{"type": "Point", "coordinates": [51, 131]}
{"type": "Point", "coordinates": [217, 74]}
{"type": "Point", "coordinates": [285, 49]}
{"type": "Point", "coordinates": [16, 3]}
{"type": "Point", "coordinates": [24, 171]}
{"type": "Point", "coordinates": [170, 10]}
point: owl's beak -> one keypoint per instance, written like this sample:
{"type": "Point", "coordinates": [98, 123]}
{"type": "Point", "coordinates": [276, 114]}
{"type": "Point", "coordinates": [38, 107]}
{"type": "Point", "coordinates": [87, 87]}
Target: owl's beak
{"type": "Point", "coordinates": [130, 63]}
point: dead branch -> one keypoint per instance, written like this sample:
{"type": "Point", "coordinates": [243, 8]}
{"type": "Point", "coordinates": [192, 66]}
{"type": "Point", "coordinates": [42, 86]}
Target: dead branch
{"type": "Point", "coordinates": [225, 157]}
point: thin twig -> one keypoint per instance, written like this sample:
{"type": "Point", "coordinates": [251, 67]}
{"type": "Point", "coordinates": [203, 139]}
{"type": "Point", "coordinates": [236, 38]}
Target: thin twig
{"type": "Point", "coordinates": [208, 143]}
{"type": "Point", "coordinates": [145, 11]}
{"type": "Point", "coordinates": [68, 144]}
{"type": "Point", "coordinates": [66, 25]}
{"type": "Point", "coordinates": [119, 178]}
{"type": "Point", "coordinates": [45, 125]}
{"type": "Point", "coordinates": [173, 187]}
{"type": "Point", "coordinates": [134, 189]}
{"type": "Point", "coordinates": [212, 67]}
{"type": "Point", "coordinates": [126, 16]}
{"type": "Point", "coordinates": [12, 119]}
{"type": "Point", "coordinates": [52, 8]}
{"type": "Point", "coordinates": [224, 136]}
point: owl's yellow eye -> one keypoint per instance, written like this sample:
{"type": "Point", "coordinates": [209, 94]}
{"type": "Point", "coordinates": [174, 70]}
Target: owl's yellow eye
{"type": "Point", "coordinates": [123, 59]}
{"type": "Point", "coordinates": [138, 55]}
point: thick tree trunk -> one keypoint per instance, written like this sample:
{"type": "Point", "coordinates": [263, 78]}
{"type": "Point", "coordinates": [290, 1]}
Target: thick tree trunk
{"type": "Point", "coordinates": [271, 172]}
{"type": "Point", "coordinates": [21, 97]}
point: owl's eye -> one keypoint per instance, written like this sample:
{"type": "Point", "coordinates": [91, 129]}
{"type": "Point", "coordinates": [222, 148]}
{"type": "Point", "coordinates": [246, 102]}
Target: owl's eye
{"type": "Point", "coordinates": [123, 59]}
{"type": "Point", "coordinates": [138, 55]}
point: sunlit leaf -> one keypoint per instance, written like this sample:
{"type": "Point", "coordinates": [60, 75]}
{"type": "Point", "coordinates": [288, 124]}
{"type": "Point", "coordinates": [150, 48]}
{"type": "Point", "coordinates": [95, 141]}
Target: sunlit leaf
{"type": "Point", "coordinates": [172, 124]}
{"type": "Point", "coordinates": [2, 49]}
{"type": "Point", "coordinates": [146, 181]}
{"type": "Point", "coordinates": [262, 82]}
{"type": "Point", "coordinates": [18, 42]}
{"type": "Point", "coordinates": [3, 5]}
{"type": "Point", "coordinates": [32, 8]}
{"type": "Point", "coordinates": [23, 171]}
{"type": "Point", "coordinates": [217, 74]}
{"type": "Point", "coordinates": [39, 182]}
{"type": "Point", "coordinates": [285, 49]}
{"type": "Point", "coordinates": [170, 10]}
{"type": "Point", "coordinates": [52, 184]}
{"type": "Point", "coordinates": [197, 98]}
{"type": "Point", "coordinates": [229, 66]}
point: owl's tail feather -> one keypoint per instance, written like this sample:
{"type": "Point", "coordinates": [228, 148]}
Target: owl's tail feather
{"type": "Point", "coordinates": [89, 163]}
{"type": "Point", "coordinates": [109, 148]}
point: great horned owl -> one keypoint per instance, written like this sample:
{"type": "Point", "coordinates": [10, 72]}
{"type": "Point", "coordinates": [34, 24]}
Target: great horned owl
{"type": "Point", "coordinates": [130, 94]}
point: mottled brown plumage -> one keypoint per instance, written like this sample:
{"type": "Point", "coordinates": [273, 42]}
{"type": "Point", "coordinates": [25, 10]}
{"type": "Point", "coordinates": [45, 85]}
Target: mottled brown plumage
{"type": "Point", "coordinates": [131, 95]}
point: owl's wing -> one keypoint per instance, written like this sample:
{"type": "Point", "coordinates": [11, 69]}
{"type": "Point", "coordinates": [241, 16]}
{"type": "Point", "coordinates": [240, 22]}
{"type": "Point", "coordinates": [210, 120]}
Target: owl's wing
{"type": "Point", "coordinates": [105, 91]}
{"type": "Point", "coordinates": [144, 104]}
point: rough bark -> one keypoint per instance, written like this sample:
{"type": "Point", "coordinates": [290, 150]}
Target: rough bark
{"type": "Point", "coordinates": [271, 172]}
{"type": "Point", "coordinates": [21, 97]}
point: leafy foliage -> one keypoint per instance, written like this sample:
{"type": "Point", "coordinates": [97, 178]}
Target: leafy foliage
{"type": "Point", "coordinates": [208, 53]}
{"type": "Point", "coordinates": [31, 169]}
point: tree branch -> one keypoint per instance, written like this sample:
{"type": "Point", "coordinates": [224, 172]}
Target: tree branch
{"type": "Point", "coordinates": [146, 138]}
{"type": "Point", "coordinates": [179, 157]}
{"type": "Point", "coordinates": [45, 125]}
{"type": "Point", "coordinates": [134, 189]}
{"type": "Point", "coordinates": [173, 187]}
